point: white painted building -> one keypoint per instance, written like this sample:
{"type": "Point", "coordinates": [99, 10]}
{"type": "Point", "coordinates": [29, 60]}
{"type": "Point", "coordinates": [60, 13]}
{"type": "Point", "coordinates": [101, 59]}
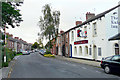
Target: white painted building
{"type": "Point", "coordinates": [90, 39]}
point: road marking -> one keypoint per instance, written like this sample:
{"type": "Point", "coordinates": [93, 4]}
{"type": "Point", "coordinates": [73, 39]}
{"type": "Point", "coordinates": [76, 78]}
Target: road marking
{"type": "Point", "coordinates": [84, 68]}
{"type": "Point", "coordinates": [97, 71]}
{"type": "Point", "coordinates": [73, 65]}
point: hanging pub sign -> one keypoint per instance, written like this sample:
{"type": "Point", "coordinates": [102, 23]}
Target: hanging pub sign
{"type": "Point", "coordinates": [81, 42]}
{"type": "Point", "coordinates": [114, 21]}
{"type": "Point", "coordinates": [81, 33]}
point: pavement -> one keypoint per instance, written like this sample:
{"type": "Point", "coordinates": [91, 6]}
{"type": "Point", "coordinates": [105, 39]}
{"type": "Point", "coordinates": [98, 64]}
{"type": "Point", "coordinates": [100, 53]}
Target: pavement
{"type": "Point", "coordinates": [82, 61]}
{"type": "Point", "coordinates": [38, 66]}
{"type": "Point", "coordinates": [5, 71]}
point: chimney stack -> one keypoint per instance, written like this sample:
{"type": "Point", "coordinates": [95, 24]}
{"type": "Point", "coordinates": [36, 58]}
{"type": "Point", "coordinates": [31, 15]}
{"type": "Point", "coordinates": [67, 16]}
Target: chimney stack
{"type": "Point", "coordinates": [61, 31]}
{"type": "Point", "coordinates": [78, 22]}
{"type": "Point", "coordinates": [17, 38]}
{"type": "Point", "coordinates": [89, 15]}
{"type": "Point", "coordinates": [11, 35]}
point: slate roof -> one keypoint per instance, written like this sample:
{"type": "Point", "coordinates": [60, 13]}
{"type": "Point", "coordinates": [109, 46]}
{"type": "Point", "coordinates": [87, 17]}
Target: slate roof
{"type": "Point", "coordinates": [19, 41]}
{"type": "Point", "coordinates": [93, 18]}
{"type": "Point", "coordinates": [12, 39]}
{"type": "Point", "coordinates": [116, 37]}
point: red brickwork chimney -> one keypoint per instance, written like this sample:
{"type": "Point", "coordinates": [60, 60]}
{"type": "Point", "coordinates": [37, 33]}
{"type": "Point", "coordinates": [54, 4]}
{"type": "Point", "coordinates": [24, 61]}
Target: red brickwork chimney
{"type": "Point", "coordinates": [89, 15]}
{"type": "Point", "coordinates": [61, 31]}
{"type": "Point", "coordinates": [16, 37]}
{"type": "Point", "coordinates": [78, 22]}
{"type": "Point", "coordinates": [11, 35]}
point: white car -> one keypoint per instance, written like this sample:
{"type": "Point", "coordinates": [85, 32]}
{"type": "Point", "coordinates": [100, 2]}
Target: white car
{"type": "Point", "coordinates": [25, 52]}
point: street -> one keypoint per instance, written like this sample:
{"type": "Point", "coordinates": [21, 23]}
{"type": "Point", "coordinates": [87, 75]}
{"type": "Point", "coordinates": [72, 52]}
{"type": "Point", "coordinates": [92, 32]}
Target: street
{"type": "Point", "coordinates": [37, 66]}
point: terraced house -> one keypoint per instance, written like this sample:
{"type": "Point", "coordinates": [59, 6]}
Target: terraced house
{"type": "Point", "coordinates": [17, 44]}
{"type": "Point", "coordinates": [90, 39]}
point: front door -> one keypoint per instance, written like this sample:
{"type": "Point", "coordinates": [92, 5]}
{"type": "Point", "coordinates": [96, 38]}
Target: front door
{"type": "Point", "coordinates": [63, 50]}
{"type": "Point", "coordinates": [94, 52]}
{"type": "Point", "coordinates": [70, 51]}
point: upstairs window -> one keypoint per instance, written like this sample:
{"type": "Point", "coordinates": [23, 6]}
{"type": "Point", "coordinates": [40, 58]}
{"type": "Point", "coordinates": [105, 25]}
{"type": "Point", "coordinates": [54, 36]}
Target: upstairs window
{"type": "Point", "coordinates": [72, 35]}
{"type": "Point", "coordinates": [85, 31]}
{"type": "Point", "coordinates": [94, 29]}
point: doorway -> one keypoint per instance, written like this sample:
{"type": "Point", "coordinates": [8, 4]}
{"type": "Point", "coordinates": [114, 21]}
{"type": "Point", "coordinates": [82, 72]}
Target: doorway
{"type": "Point", "coordinates": [94, 52]}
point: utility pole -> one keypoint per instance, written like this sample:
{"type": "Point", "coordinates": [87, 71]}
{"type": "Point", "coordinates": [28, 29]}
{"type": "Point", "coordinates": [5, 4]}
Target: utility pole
{"type": "Point", "coordinates": [5, 58]}
{"type": "Point", "coordinates": [1, 35]}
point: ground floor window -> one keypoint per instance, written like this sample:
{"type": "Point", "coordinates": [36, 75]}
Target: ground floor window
{"type": "Point", "coordinates": [116, 49]}
{"type": "Point", "coordinates": [75, 51]}
{"type": "Point", "coordinates": [80, 50]}
{"type": "Point", "coordinates": [86, 50]}
{"type": "Point", "coordinates": [66, 50]}
{"type": "Point", "coordinates": [99, 52]}
{"type": "Point", "coordinates": [90, 51]}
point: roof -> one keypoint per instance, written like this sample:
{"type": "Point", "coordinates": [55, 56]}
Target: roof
{"type": "Point", "coordinates": [12, 39]}
{"type": "Point", "coordinates": [93, 18]}
{"type": "Point", "coordinates": [116, 37]}
{"type": "Point", "coordinates": [19, 41]}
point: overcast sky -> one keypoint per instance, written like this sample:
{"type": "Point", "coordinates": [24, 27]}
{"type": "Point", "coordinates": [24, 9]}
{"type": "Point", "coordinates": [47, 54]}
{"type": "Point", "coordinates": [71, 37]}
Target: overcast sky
{"type": "Point", "coordinates": [71, 11]}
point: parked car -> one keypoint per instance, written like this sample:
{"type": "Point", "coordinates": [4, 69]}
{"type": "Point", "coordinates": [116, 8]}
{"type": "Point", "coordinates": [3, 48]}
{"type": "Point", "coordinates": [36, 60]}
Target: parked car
{"type": "Point", "coordinates": [28, 52]}
{"type": "Point", "coordinates": [111, 64]}
{"type": "Point", "coordinates": [25, 52]}
{"type": "Point", "coordinates": [42, 51]}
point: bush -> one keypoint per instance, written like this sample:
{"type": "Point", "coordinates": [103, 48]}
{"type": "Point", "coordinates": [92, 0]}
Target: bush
{"type": "Point", "coordinates": [4, 64]}
{"type": "Point", "coordinates": [9, 54]}
{"type": "Point", "coordinates": [18, 54]}
{"type": "Point", "coordinates": [48, 52]}
{"type": "Point", "coordinates": [48, 55]}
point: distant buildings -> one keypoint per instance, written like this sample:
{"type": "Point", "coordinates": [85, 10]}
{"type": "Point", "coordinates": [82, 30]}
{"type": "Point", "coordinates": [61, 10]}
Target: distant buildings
{"type": "Point", "coordinates": [17, 44]}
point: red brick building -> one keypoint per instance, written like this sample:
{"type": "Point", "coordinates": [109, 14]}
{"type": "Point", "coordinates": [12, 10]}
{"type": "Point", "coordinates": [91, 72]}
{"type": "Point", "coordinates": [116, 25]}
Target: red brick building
{"type": "Point", "coordinates": [53, 50]}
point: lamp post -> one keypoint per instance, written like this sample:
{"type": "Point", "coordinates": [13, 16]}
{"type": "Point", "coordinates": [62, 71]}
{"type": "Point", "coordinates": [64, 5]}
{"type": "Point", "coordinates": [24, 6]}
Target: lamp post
{"type": "Point", "coordinates": [1, 41]}
{"type": "Point", "coordinates": [5, 59]}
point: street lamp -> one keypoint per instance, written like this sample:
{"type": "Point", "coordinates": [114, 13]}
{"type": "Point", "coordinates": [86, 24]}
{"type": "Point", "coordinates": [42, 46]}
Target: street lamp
{"type": "Point", "coordinates": [5, 59]}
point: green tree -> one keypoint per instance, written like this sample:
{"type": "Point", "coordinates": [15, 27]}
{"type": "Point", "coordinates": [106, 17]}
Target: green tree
{"type": "Point", "coordinates": [11, 14]}
{"type": "Point", "coordinates": [49, 23]}
{"type": "Point", "coordinates": [40, 43]}
{"type": "Point", "coordinates": [35, 45]}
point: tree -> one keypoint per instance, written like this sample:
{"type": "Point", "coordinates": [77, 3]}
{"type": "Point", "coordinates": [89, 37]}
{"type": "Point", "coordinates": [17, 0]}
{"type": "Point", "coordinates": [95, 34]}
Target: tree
{"type": "Point", "coordinates": [49, 23]}
{"type": "Point", "coordinates": [35, 45]}
{"type": "Point", "coordinates": [11, 14]}
{"type": "Point", "coordinates": [40, 43]}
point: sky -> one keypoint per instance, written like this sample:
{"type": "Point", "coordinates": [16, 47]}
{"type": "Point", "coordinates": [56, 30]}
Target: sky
{"type": "Point", "coordinates": [71, 11]}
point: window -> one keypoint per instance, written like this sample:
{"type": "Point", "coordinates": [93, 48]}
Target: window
{"type": "Point", "coordinates": [90, 51]}
{"type": "Point", "coordinates": [66, 37]}
{"type": "Point", "coordinates": [99, 52]}
{"type": "Point", "coordinates": [75, 51]}
{"type": "Point", "coordinates": [66, 50]}
{"type": "Point", "coordinates": [59, 39]}
{"type": "Point", "coordinates": [116, 49]}
{"type": "Point", "coordinates": [94, 29]}
{"type": "Point", "coordinates": [85, 31]}
{"type": "Point", "coordinates": [80, 50]}
{"type": "Point", "coordinates": [86, 50]}
{"type": "Point", "coordinates": [72, 35]}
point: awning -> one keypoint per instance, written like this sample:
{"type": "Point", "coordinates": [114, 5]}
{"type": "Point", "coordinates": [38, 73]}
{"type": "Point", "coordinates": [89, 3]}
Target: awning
{"type": "Point", "coordinates": [116, 37]}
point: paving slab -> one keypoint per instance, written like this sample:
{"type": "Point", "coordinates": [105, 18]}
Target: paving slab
{"type": "Point", "coordinates": [83, 61]}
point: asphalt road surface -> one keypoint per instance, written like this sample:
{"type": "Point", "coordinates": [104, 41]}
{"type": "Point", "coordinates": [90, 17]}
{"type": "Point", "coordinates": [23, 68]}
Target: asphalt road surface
{"type": "Point", "coordinates": [37, 66]}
